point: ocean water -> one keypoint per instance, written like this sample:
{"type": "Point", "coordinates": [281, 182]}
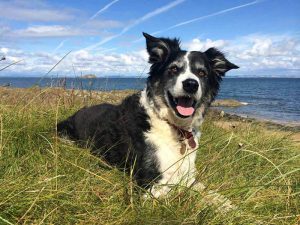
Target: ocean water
{"type": "Point", "coordinates": [103, 84]}
{"type": "Point", "coordinates": [276, 99]}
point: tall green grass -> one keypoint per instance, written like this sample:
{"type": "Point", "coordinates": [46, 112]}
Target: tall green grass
{"type": "Point", "coordinates": [47, 180]}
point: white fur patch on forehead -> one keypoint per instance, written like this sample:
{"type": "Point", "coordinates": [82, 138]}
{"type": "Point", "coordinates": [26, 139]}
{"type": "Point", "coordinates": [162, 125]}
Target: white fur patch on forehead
{"type": "Point", "coordinates": [186, 57]}
{"type": "Point", "coordinates": [195, 62]}
{"type": "Point", "coordinates": [187, 61]}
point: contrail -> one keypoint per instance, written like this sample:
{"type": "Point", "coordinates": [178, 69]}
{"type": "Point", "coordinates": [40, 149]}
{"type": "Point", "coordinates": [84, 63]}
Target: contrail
{"type": "Point", "coordinates": [207, 16]}
{"type": "Point", "coordinates": [103, 9]}
{"type": "Point", "coordinates": [153, 13]}
{"type": "Point", "coordinates": [201, 18]}
{"type": "Point", "coordinates": [61, 44]}
{"type": "Point", "coordinates": [137, 22]}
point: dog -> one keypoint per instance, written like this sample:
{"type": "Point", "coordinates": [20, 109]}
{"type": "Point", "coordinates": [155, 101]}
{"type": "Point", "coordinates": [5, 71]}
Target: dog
{"type": "Point", "coordinates": [155, 133]}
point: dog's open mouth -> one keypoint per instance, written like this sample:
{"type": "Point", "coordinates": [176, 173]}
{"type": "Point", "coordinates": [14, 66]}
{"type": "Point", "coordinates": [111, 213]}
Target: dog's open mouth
{"type": "Point", "coordinates": [184, 106]}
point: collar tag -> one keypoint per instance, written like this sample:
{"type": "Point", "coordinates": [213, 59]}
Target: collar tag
{"type": "Point", "coordinates": [185, 135]}
{"type": "Point", "coordinates": [191, 142]}
{"type": "Point", "coordinates": [183, 148]}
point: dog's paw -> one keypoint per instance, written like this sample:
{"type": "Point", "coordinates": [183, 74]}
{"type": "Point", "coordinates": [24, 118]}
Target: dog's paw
{"type": "Point", "coordinates": [66, 140]}
{"type": "Point", "coordinates": [219, 201]}
{"type": "Point", "coordinates": [214, 199]}
{"type": "Point", "coordinates": [157, 191]}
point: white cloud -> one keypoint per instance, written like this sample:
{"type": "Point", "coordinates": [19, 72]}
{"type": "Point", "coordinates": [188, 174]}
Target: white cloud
{"type": "Point", "coordinates": [4, 50]}
{"type": "Point", "coordinates": [102, 64]}
{"type": "Point", "coordinates": [131, 63]}
{"type": "Point", "coordinates": [46, 31]}
{"type": "Point", "coordinates": [272, 46]}
{"type": "Point", "coordinates": [198, 45]}
{"type": "Point", "coordinates": [255, 54]}
{"type": "Point", "coordinates": [33, 11]}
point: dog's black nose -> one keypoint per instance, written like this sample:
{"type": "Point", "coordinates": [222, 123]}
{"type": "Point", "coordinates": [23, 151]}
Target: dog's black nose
{"type": "Point", "coordinates": [190, 86]}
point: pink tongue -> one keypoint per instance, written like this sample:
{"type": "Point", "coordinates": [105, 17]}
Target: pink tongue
{"type": "Point", "coordinates": [184, 106]}
{"type": "Point", "coordinates": [185, 111]}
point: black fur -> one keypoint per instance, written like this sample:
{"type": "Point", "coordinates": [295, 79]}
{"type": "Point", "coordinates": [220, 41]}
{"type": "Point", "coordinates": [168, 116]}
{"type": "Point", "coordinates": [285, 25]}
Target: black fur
{"type": "Point", "coordinates": [116, 134]}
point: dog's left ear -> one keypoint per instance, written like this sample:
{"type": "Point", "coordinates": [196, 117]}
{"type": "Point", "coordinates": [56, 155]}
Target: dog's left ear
{"type": "Point", "coordinates": [157, 48]}
{"type": "Point", "coordinates": [218, 61]}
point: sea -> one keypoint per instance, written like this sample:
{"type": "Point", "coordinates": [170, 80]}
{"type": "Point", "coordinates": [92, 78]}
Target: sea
{"type": "Point", "coordinates": [274, 99]}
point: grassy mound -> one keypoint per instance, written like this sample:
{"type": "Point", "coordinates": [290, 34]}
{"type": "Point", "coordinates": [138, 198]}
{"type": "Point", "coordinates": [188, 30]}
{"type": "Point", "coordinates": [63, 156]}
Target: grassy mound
{"type": "Point", "coordinates": [44, 179]}
{"type": "Point", "coordinates": [227, 103]}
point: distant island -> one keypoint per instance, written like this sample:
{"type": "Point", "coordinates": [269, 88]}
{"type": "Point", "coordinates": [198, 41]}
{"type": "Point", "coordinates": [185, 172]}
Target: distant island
{"type": "Point", "coordinates": [89, 76]}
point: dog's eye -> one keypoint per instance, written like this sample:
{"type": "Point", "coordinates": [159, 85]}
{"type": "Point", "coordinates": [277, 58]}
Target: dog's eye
{"type": "Point", "coordinates": [174, 69]}
{"type": "Point", "coordinates": [201, 73]}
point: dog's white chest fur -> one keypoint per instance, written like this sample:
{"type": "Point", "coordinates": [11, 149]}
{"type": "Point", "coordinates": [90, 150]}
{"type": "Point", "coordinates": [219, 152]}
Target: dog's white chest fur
{"type": "Point", "coordinates": [176, 168]}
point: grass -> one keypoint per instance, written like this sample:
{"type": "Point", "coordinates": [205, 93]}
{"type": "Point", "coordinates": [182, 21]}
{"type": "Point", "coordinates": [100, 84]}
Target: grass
{"type": "Point", "coordinates": [46, 180]}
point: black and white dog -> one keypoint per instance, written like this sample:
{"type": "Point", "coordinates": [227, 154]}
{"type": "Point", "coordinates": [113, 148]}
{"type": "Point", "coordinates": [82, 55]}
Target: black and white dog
{"type": "Point", "coordinates": [155, 132]}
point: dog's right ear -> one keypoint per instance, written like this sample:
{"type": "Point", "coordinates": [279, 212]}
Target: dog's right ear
{"type": "Point", "coordinates": [157, 48]}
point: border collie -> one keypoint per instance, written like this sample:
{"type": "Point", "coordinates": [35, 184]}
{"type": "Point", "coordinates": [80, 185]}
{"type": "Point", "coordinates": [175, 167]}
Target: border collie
{"type": "Point", "coordinates": [155, 133]}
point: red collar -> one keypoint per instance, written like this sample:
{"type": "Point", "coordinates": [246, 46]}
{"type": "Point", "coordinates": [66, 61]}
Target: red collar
{"type": "Point", "coordinates": [185, 135]}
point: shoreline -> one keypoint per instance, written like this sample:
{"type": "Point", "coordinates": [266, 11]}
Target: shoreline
{"type": "Point", "coordinates": [289, 125]}
{"type": "Point", "coordinates": [229, 122]}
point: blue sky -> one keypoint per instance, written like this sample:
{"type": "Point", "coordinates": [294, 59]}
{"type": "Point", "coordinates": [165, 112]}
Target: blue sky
{"type": "Point", "coordinates": [105, 36]}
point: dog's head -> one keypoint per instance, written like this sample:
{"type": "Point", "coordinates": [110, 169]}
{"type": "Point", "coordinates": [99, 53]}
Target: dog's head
{"type": "Point", "coordinates": [179, 81]}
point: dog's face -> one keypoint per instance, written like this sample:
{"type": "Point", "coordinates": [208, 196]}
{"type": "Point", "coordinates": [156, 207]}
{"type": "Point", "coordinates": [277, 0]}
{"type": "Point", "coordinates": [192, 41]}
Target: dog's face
{"type": "Point", "coordinates": [180, 82]}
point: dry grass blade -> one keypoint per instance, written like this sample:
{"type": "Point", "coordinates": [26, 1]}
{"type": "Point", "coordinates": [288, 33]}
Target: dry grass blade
{"type": "Point", "coordinates": [6, 221]}
{"type": "Point", "coordinates": [11, 64]}
{"type": "Point", "coordinates": [58, 63]}
{"type": "Point", "coordinates": [31, 206]}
